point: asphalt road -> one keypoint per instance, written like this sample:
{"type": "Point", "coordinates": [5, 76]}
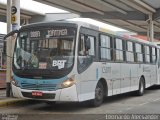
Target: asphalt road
{"type": "Point", "coordinates": [121, 104]}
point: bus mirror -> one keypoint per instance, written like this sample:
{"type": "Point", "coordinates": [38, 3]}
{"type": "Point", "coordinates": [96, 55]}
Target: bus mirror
{"type": "Point", "coordinates": [8, 37]}
{"type": "Point", "coordinates": [10, 34]}
{"type": "Point", "coordinates": [88, 44]}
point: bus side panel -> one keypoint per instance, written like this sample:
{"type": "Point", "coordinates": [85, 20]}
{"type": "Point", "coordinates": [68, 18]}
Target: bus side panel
{"type": "Point", "coordinates": [88, 80]}
{"type": "Point", "coordinates": [153, 74]}
{"type": "Point", "coordinates": [125, 77]}
{"type": "Point", "coordinates": [116, 78]}
{"type": "Point", "coordinates": [105, 72]}
{"type": "Point", "coordinates": [136, 72]}
{"type": "Point", "coordinates": [147, 75]}
{"type": "Point", "coordinates": [139, 74]}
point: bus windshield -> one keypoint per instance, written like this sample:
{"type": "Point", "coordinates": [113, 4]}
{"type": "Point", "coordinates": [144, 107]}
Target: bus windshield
{"type": "Point", "coordinates": [44, 51]}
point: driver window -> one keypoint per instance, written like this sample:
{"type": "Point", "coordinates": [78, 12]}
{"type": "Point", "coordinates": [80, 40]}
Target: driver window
{"type": "Point", "coordinates": [92, 45]}
{"type": "Point", "coordinates": [83, 50]}
{"type": "Point", "coordinates": [81, 46]}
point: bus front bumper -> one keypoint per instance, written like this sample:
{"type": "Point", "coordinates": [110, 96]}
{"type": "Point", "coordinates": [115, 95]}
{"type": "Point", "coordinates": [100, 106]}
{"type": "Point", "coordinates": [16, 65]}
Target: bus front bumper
{"type": "Point", "coordinates": [65, 94]}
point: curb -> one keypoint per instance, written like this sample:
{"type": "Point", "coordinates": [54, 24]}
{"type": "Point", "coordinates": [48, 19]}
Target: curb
{"type": "Point", "coordinates": [7, 102]}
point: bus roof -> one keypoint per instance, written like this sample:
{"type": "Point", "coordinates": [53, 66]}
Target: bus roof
{"type": "Point", "coordinates": [48, 24]}
{"type": "Point", "coordinates": [83, 24]}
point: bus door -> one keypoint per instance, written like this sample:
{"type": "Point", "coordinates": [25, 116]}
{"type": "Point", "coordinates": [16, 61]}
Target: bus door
{"type": "Point", "coordinates": [86, 58]}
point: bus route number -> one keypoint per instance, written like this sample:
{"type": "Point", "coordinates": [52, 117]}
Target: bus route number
{"type": "Point", "coordinates": [35, 34]}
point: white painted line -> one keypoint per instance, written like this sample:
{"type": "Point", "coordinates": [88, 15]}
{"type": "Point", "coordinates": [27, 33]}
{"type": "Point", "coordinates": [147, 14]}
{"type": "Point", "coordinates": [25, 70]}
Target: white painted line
{"type": "Point", "coordinates": [152, 100]}
{"type": "Point", "coordinates": [156, 99]}
{"type": "Point", "coordinates": [144, 103]}
{"type": "Point", "coordinates": [129, 108]}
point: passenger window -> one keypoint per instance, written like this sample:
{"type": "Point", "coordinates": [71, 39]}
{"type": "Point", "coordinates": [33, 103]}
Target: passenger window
{"type": "Point", "coordinates": [153, 55]}
{"type": "Point", "coordinates": [129, 52]}
{"type": "Point", "coordinates": [105, 47]}
{"type": "Point", "coordinates": [119, 49]}
{"type": "Point", "coordinates": [139, 55]}
{"type": "Point", "coordinates": [147, 56]}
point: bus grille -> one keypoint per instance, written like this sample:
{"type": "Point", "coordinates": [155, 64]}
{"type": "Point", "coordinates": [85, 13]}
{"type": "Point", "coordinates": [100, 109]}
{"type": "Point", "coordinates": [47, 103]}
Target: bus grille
{"type": "Point", "coordinates": [30, 86]}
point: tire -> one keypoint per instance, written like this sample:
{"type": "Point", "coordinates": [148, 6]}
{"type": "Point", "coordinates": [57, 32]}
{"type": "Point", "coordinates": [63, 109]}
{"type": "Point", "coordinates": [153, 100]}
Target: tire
{"type": "Point", "coordinates": [99, 95]}
{"type": "Point", "coordinates": [141, 89]}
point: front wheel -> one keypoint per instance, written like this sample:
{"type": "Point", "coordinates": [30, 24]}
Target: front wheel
{"type": "Point", "coordinates": [99, 95]}
{"type": "Point", "coordinates": [141, 89]}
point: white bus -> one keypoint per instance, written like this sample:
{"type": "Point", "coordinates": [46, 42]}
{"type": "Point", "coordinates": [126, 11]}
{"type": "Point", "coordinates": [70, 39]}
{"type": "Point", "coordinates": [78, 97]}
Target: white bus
{"type": "Point", "coordinates": [74, 61]}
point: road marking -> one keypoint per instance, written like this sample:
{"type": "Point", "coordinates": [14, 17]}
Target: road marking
{"type": "Point", "coordinates": [125, 109]}
{"type": "Point", "coordinates": [143, 103]}
{"type": "Point", "coordinates": [129, 108]}
{"type": "Point", "coordinates": [156, 99]}
{"type": "Point", "coordinates": [150, 101]}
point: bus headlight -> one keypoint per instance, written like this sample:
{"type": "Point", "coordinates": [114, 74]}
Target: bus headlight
{"type": "Point", "coordinates": [14, 82]}
{"type": "Point", "coordinates": [68, 83]}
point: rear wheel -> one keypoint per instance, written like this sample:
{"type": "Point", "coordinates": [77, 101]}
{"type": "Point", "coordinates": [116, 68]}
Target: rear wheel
{"type": "Point", "coordinates": [99, 95]}
{"type": "Point", "coordinates": [141, 89]}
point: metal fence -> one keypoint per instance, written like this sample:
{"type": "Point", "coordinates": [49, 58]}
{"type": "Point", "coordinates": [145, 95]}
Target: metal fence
{"type": "Point", "coordinates": [1, 40]}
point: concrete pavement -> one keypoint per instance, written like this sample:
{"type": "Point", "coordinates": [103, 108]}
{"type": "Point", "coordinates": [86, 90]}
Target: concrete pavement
{"type": "Point", "coordinates": [127, 104]}
{"type": "Point", "coordinates": [6, 101]}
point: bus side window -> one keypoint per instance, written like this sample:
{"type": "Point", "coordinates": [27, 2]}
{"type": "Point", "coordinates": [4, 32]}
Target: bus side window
{"type": "Point", "coordinates": [153, 55]}
{"type": "Point", "coordinates": [139, 54]}
{"type": "Point", "coordinates": [129, 51]}
{"type": "Point", "coordinates": [147, 54]}
{"type": "Point", "coordinates": [105, 47]}
{"type": "Point", "coordinates": [119, 49]}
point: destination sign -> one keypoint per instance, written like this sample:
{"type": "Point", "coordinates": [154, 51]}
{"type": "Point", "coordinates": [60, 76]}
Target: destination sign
{"type": "Point", "coordinates": [52, 32]}
{"type": "Point", "coordinates": [56, 32]}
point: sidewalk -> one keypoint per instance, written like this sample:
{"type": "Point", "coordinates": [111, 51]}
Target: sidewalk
{"type": "Point", "coordinates": [6, 101]}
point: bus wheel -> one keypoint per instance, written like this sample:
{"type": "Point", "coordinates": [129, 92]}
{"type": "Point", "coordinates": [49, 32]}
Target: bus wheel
{"type": "Point", "coordinates": [99, 95]}
{"type": "Point", "coordinates": [141, 89]}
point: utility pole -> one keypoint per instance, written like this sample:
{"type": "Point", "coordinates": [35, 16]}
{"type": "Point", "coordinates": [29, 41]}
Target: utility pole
{"type": "Point", "coordinates": [150, 31]}
{"type": "Point", "coordinates": [13, 23]}
{"type": "Point", "coordinates": [15, 14]}
{"type": "Point", "coordinates": [9, 29]}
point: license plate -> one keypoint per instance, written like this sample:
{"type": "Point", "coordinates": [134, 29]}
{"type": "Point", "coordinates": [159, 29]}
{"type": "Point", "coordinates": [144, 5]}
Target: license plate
{"type": "Point", "coordinates": [36, 93]}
